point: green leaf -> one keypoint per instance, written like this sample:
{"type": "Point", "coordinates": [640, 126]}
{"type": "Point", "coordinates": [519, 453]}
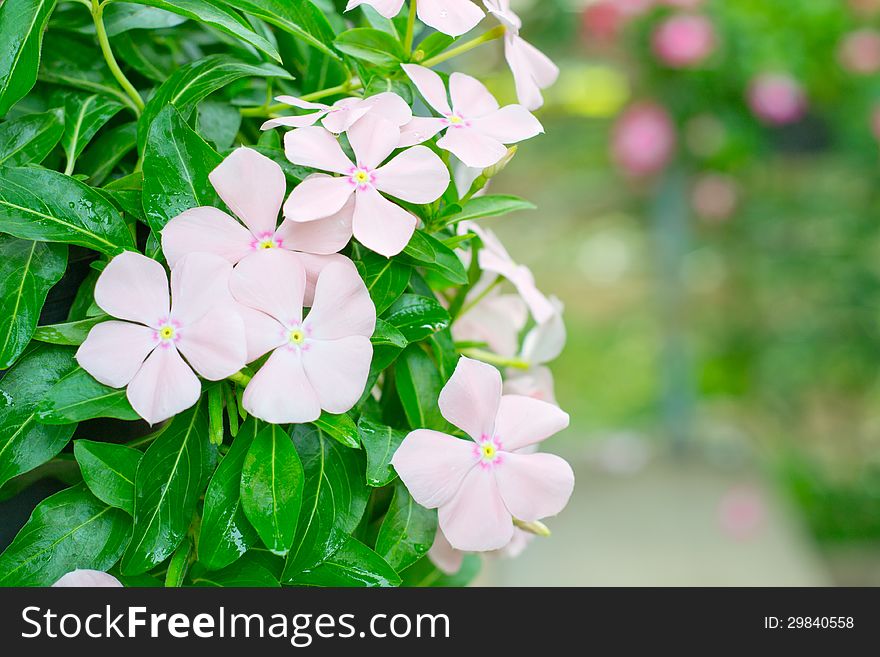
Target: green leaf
{"type": "Point", "coordinates": [218, 122]}
{"type": "Point", "coordinates": [70, 63]}
{"type": "Point", "coordinates": [109, 471]}
{"type": "Point", "coordinates": [69, 530]}
{"type": "Point", "coordinates": [192, 83]}
{"type": "Point", "coordinates": [120, 17]}
{"type": "Point", "coordinates": [339, 427]}
{"type": "Point", "coordinates": [434, 44]}
{"type": "Point", "coordinates": [334, 499]}
{"type": "Point", "coordinates": [425, 573]}
{"type": "Point", "coordinates": [247, 572]}
{"type": "Point", "coordinates": [27, 271]}
{"type": "Point", "coordinates": [22, 23]}
{"type": "Point", "coordinates": [352, 564]}
{"type": "Point", "coordinates": [47, 206]}
{"type": "Point", "coordinates": [24, 443]}
{"type": "Point", "coordinates": [407, 532]}
{"type": "Point", "coordinates": [300, 18]}
{"type": "Point", "coordinates": [419, 384]}
{"type": "Point", "coordinates": [207, 12]}
{"type": "Point", "coordinates": [385, 278]}
{"type": "Point", "coordinates": [388, 342]}
{"type": "Point", "coordinates": [30, 138]}
{"type": "Point", "coordinates": [417, 317]}
{"type": "Point", "coordinates": [103, 154]}
{"type": "Point", "coordinates": [145, 53]}
{"type": "Point", "coordinates": [487, 206]}
{"type": "Point", "coordinates": [168, 485]}
{"type": "Point", "coordinates": [226, 533]}
{"type": "Point", "coordinates": [77, 397]}
{"type": "Point", "coordinates": [272, 488]}
{"type": "Point", "coordinates": [176, 166]}
{"type": "Point", "coordinates": [83, 117]}
{"type": "Point", "coordinates": [433, 255]}
{"type": "Point", "coordinates": [373, 46]}
{"type": "Point", "coordinates": [69, 333]}
{"type": "Point", "coordinates": [380, 442]}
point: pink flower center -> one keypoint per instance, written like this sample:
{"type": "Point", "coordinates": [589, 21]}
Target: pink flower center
{"type": "Point", "coordinates": [168, 332]}
{"type": "Point", "coordinates": [362, 178]}
{"type": "Point", "coordinates": [266, 241]}
{"type": "Point", "coordinates": [488, 451]}
{"type": "Point", "coordinates": [456, 120]}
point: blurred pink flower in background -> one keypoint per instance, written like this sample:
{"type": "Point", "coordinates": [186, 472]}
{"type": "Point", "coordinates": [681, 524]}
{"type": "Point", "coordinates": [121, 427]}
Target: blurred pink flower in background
{"type": "Point", "coordinates": [742, 512]}
{"type": "Point", "coordinates": [865, 8]}
{"type": "Point", "coordinates": [684, 40]}
{"type": "Point", "coordinates": [643, 139]}
{"type": "Point", "coordinates": [682, 4]}
{"type": "Point", "coordinates": [714, 196]}
{"type": "Point", "coordinates": [777, 98]}
{"type": "Point", "coordinates": [859, 52]}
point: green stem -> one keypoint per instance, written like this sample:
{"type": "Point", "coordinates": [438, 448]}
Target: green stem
{"type": "Point", "coordinates": [240, 378]}
{"type": "Point", "coordinates": [495, 33]}
{"type": "Point", "coordinates": [178, 565]}
{"type": "Point", "coordinates": [410, 27]}
{"type": "Point", "coordinates": [495, 359]}
{"type": "Point", "coordinates": [268, 110]}
{"type": "Point", "coordinates": [482, 295]}
{"type": "Point", "coordinates": [104, 42]}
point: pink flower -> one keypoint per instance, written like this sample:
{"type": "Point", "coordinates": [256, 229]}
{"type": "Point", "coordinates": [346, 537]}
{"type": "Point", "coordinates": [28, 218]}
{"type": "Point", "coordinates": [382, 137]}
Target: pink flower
{"type": "Point", "coordinates": [317, 362]}
{"type": "Point", "coordinates": [535, 382]}
{"type": "Point", "coordinates": [480, 485]}
{"type": "Point", "coordinates": [344, 113]}
{"type": "Point", "coordinates": [452, 17]}
{"type": "Point", "coordinates": [476, 128]}
{"type": "Point", "coordinates": [146, 351]}
{"type": "Point", "coordinates": [417, 175]}
{"type": "Point", "coordinates": [643, 139]}
{"type": "Point", "coordinates": [253, 187]}
{"type": "Point", "coordinates": [714, 196]}
{"type": "Point", "coordinates": [495, 259]}
{"type": "Point", "coordinates": [777, 98]}
{"type": "Point", "coordinates": [742, 512]}
{"type": "Point", "coordinates": [87, 578]}
{"type": "Point", "coordinates": [497, 319]}
{"type": "Point", "coordinates": [532, 70]}
{"type": "Point", "coordinates": [449, 560]}
{"type": "Point", "coordinates": [684, 40]}
{"type": "Point", "coordinates": [859, 52]}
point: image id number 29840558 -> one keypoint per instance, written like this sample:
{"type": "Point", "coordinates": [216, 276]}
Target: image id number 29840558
{"type": "Point", "coordinates": [808, 622]}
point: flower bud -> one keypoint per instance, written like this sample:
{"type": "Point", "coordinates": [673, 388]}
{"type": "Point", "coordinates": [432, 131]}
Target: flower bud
{"type": "Point", "coordinates": [537, 528]}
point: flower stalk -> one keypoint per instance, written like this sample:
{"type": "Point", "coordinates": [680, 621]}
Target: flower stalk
{"type": "Point", "coordinates": [410, 27]}
{"type": "Point", "coordinates": [97, 10]}
{"type": "Point", "coordinates": [495, 33]}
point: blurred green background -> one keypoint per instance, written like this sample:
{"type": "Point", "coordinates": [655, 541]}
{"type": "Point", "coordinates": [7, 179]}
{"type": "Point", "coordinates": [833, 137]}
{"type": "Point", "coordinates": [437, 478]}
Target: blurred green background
{"type": "Point", "coordinates": [723, 339]}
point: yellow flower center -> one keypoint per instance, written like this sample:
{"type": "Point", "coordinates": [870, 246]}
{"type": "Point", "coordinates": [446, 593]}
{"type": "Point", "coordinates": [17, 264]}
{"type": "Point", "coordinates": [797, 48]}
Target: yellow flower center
{"type": "Point", "coordinates": [297, 336]}
{"type": "Point", "coordinates": [455, 120]}
{"type": "Point", "coordinates": [488, 451]}
{"type": "Point", "coordinates": [267, 244]}
{"type": "Point", "coordinates": [361, 176]}
{"type": "Point", "coordinates": [166, 332]}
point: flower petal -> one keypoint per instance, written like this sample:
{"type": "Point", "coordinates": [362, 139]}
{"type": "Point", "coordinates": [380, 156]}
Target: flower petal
{"type": "Point", "coordinates": [444, 556]}
{"type": "Point", "coordinates": [417, 175]}
{"type": "Point", "coordinates": [299, 121]}
{"type": "Point", "coordinates": [342, 305]}
{"type": "Point", "coordinates": [386, 8]}
{"type": "Point", "coordinates": [389, 106]}
{"type": "Point", "coordinates": [496, 320]}
{"type": "Point", "coordinates": [133, 287]}
{"type": "Point", "coordinates": [208, 230]}
{"type": "Point", "coordinates": [509, 124]}
{"type": "Point", "coordinates": [344, 114]}
{"type": "Point", "coordinates": [470, 398]}
{"type": "Point", "coordinates": [475, 519]}
{"type": "Point", "coordinates": [419, 129]}
{"type": "Point", "coordinates": [87, 578]}
{"type": "Point", "coordinates": [452, 17]}
{"type": "Point", "coordinates": [317, 148]}
{"type": "Point", "coordinates": [430, 85]}
{"type": "Point", "coordinates": [373, 139]}
{"type": "Point", "coordinates": [314, 265]}
{"type": "Point", "coordinates": [316, 197]}
{"type": "Point", "coordinates": [432, 465]}
{"type": "Point", "coordinates": [535, 382]}
{"type": "Point", "coordinates": [300, 103]}
{"type": "Point", "coordinates": [113, 351]}
{"type": "Point", "coordinates": [472, 147]}
{"type": "Point", "coordinates": [262, 332]}
{"type": "Point", "coordinates": [321, 236]}
{"type": "Point", "coordinates": [534, 486]}
{"type": "Point", "coordinates": [199, 282]}
{"type": "Point", "coordinates": [216, 345]}
{"type": "Point", "coordinates": [470, 97]}
{"type": "Point", "coordinates": [532, 70]}
{"type": "Point", "coordinates": [524, 421]}
{"type": "Point", "coordinates": [280, 392]}
{"type": "Point", "coordinates": [164, 386]}
{"type": "Point", "coordinates": [271, 281]}
{"type": "Point", "coordinates": [253, 187]}
{"type": "Point", "coordinates": [338, 370]}
{"type": "Point", "coordinates": [545, 341]}
{"type": "Point", "coordinates": [380, 225]}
